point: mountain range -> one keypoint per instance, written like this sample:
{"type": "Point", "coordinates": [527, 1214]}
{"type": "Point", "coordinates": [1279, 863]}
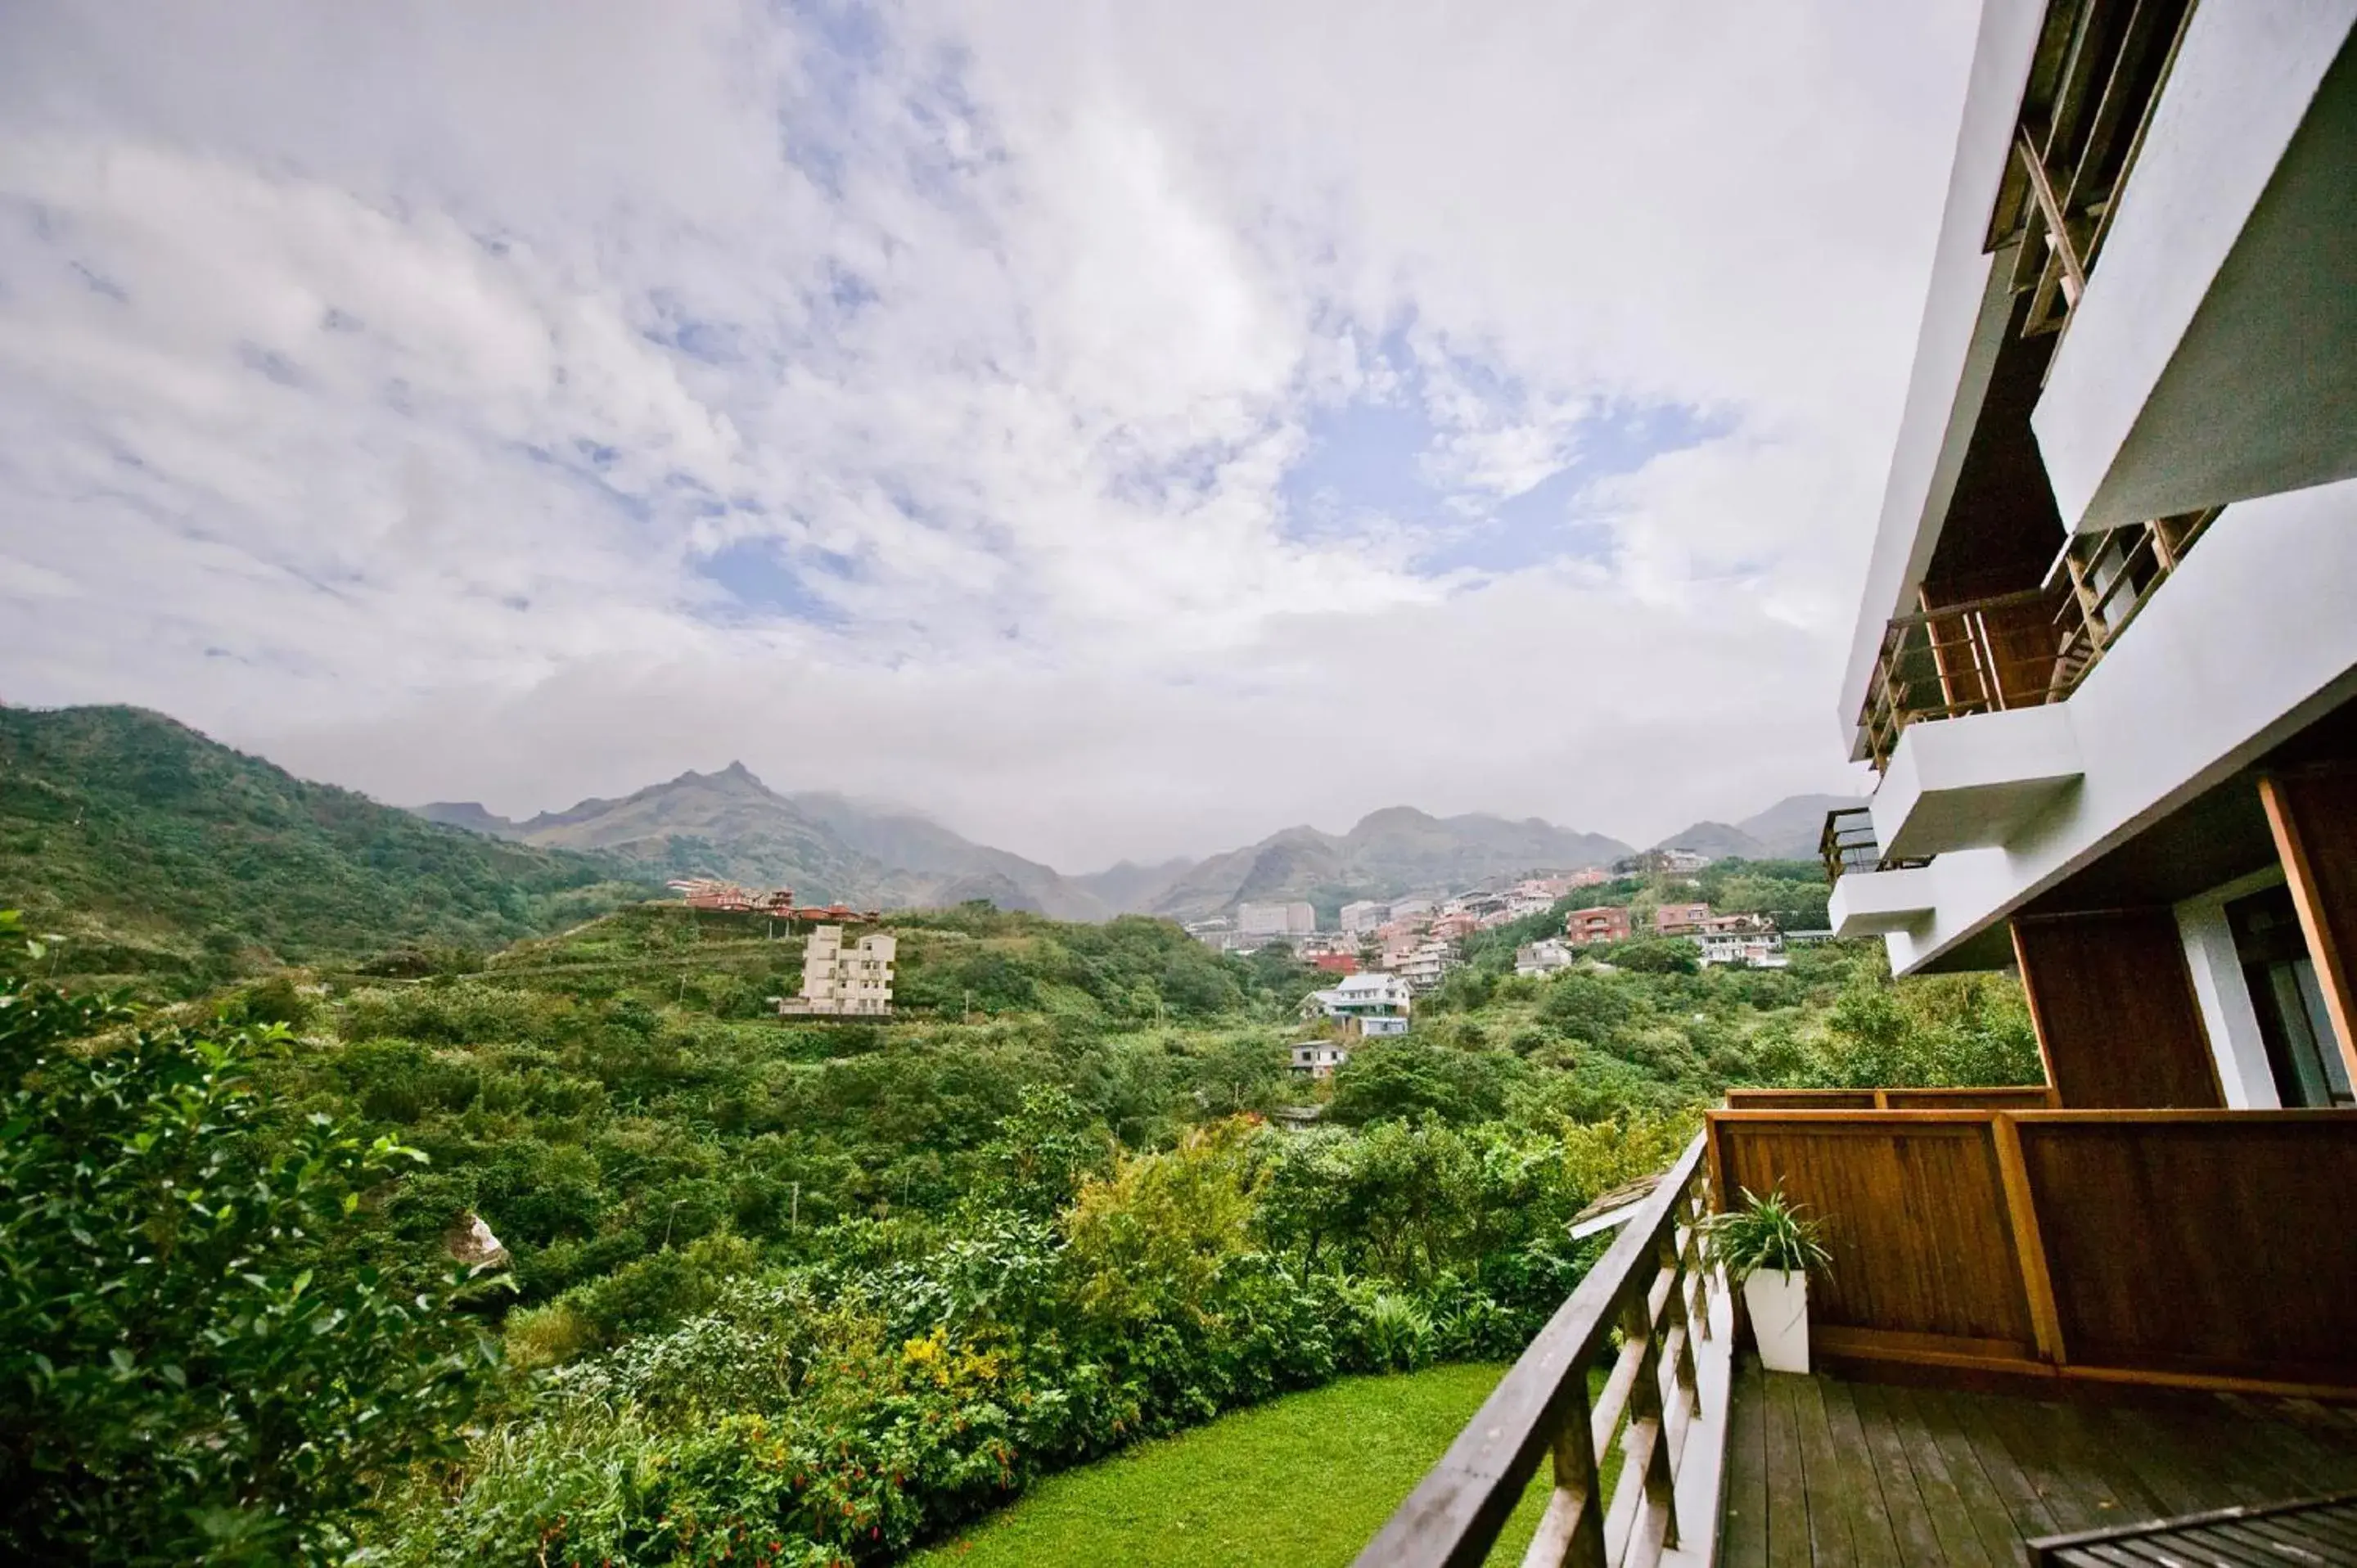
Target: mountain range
{"type": "Point", "coordinates": [154, 850]}
{"type": "Point", "coordinates": [829, 847]}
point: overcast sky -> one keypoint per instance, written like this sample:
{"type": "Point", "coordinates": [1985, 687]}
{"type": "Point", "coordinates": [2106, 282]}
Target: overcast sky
{"type": "Point", "coordinates": [1117, 430]}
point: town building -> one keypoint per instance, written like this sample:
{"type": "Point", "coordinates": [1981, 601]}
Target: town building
{"type": "Point", "coordinates": [841, 981]}
{"type": "Point", "coordinates": [1429, 964]}
{"type": "Point", "coordinates": [1603, 923]}
{"type": "Point", "coordinates": [1335, 962]}
{"type": "Point", "coordinates": [1275, 920]}
{"type": "Point", "coordinates": [1743, 946]}
{"type": "Point", "coordinates": [1363, 916]}
{"type": "Point", "coordinates": [1371, 994]}
{"type": "Point", "coordinates": [1411, 908]}
{"type": "Point", "coordinates": [1319, 1059]}
{"type": "Point", "coordinates": [1680, 919]}
{"type": "Point", "coordinates": [1449, 926]}
{"type": "Point", "coordinates": [1544, 957]}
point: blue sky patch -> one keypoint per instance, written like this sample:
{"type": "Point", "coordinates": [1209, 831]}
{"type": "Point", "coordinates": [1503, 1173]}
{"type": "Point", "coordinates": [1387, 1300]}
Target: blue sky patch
{"type": "Point", "coordinates": [757, 573]}
{"type": "Point", "coordinates": [1376, 465]}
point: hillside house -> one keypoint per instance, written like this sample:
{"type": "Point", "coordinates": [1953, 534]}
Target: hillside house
{"type": "Point", "coordinates": [1429, 964]}
{"type": "Point", "coordinates": [1741, 946]}
{"type": "Point", "coordinates": [1544, 957]}
{"type": "Point", "coordinates": [1363, 916]}
{"type": "Point", "coordinates": [1371, 995]}
{"type": "Point", "coordinates": [1319, 1059]}
{"type": "Point", "coordinates": [840, 981]}
{"type": "Point", "coordinates": [1680, 919]}
{"type": "Point", "coordinates": [1604, 923]}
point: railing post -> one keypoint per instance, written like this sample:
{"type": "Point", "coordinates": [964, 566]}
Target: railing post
{"type": "Point", "coordinates": [1571, 1534]}
{"type": "Point", "coordinates": [1647, 1438]}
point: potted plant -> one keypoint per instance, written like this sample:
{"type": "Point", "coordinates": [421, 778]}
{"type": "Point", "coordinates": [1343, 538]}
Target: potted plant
{"type": "Point", "coordinates": [1769, 1248]}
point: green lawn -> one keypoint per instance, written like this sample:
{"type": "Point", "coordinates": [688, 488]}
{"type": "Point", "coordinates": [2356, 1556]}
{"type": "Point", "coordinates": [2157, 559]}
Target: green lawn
{"type": "Point", "coordinates": [1302, 1481]}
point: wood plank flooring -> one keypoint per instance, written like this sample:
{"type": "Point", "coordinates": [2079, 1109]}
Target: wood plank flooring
{"type": "Point", "coordinates": [1822, 1472]}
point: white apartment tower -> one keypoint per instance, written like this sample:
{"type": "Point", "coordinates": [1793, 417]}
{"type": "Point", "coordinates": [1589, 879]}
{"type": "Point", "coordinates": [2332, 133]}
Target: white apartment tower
{"type": "Point", "coordinates": [840, 981]}
{"type": "Point", "coordinates": [2106, 667]}
{"type": "Point", "coordinates": [1293, 920]}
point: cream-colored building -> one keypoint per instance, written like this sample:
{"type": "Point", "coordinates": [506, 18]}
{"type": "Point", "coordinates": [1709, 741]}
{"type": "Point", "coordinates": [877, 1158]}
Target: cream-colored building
{"type": "Point", "coordinates": [837, 980]}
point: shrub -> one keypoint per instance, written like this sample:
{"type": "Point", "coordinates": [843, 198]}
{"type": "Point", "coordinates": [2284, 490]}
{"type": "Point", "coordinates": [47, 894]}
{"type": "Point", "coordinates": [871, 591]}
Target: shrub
{"type": "Point", "coordinates": [192, 1374]}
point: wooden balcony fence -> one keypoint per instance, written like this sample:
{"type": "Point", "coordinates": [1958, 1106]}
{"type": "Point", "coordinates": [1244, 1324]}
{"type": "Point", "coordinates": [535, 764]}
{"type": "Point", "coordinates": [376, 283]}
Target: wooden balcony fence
{"type": "Point", "coordinates": [1664, 1401]}
{"type": "Point", "coordinates": [2010, 1097]}
{"type": "Point", "coordinates": [2021, 650]}
{"type": "Point", "coordinates": [2181, 1248]}
{"type": "Point", "coordinates": [1976, 1235]}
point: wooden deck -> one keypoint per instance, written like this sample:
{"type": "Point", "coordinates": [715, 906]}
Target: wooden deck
{"type": "Point", "coordinates": [1825, 1472]}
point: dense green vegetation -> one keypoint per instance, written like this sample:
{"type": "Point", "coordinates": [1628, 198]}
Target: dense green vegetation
{"type": "Point", "coordinates": [165, 855]}
{"type": "Point", "coordinates": [1302, 1481]}
{"type": "Point", "coordinates": [805, 1292]}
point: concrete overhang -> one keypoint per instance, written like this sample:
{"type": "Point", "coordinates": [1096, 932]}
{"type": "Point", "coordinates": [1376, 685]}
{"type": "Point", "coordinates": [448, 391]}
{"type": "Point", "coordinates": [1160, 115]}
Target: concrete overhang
{"type": "Point", "coordinates": [1879, 903]}
{"type": "Point", "coordinates": [1971, 782]}
{"type": "Point", "coordinates": [2213, 355]}
{"type": "Point", "coordinates": [1964, 328]}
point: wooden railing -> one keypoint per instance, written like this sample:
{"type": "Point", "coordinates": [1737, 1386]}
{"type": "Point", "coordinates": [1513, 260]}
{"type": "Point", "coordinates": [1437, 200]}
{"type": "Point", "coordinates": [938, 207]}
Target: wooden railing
{"type": "Point", "coordinates": [2019, 649]}
{"type": "Point", "coordinates": [2188, 1248]}
{"type": "Point", "coordinates": [2009, 1097]}
{"type": "Point", "coordinates": [1651, 1291]}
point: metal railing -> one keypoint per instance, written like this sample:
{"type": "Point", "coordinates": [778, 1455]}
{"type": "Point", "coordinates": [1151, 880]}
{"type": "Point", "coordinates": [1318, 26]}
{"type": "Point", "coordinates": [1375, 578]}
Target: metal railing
{"type": "Point", "coordinates": [1653, 1289]}
{"type": "Point", "coordinates": [2025, 649]}
{"type": "Point", "coordinates": [1848, 843]}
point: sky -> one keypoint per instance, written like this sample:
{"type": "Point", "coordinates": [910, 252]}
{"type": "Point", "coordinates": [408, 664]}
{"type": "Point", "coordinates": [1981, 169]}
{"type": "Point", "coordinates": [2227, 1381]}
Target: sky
{"type": "Point", "coordinates": [1116, 429]}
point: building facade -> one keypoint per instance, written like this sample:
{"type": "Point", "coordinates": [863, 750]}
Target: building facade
{"type": "Point", "coordinates": [1363, 916]}
{"type": "Point", "coordinates": [1544, 957]}
{"type": "Point", "coordinates": [2105, 671]}
{"type": "Point", "coordinates": [1680, 919]}
{"type": "Point", "coordinates": [1275, 920]}
{"type": "Point", "coordinates": [1604, 923]}
{"type": "Point", "coordinates": [839, 980]}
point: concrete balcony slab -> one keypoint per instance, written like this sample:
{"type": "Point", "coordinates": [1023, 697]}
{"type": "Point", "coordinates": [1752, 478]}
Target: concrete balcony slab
{"type": "Point", "coordinates": [1879, 903]}
{"type": "Point", "coordinates": [1971, 782]}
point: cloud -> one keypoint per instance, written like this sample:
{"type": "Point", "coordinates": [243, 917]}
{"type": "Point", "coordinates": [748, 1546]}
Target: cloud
{"type": "Point", "coordinates": [1120, 428]}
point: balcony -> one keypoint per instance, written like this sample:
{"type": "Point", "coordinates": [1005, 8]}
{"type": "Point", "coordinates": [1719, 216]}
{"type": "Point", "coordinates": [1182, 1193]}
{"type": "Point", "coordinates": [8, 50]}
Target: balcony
{"type": "Point", "coordinates": [1874, 893]}
{"type": "Point", "coordinates": [2037, 1323]}
{"type": "Point", "coordinates": [2022, 649]}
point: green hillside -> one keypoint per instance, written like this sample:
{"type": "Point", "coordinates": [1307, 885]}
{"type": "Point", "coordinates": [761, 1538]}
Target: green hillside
{"type": "Point", "coordinates": [162, 851]}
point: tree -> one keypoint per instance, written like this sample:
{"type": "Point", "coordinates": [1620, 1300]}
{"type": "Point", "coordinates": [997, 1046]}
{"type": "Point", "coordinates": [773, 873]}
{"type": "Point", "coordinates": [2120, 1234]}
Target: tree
{"type": "Point", "coordinates": [1408, 1080]}
{"type": "Point", "coordinates": [188, 1370]}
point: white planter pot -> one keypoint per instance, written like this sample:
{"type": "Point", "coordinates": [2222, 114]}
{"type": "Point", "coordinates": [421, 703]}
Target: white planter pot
{"type": "Point", "coordinates": [1779, 1302]}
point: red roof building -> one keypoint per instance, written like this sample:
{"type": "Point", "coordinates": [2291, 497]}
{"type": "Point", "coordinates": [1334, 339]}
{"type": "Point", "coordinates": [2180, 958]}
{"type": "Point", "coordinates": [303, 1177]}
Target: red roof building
{"type": "Point", "coordinates": [1605, 923]}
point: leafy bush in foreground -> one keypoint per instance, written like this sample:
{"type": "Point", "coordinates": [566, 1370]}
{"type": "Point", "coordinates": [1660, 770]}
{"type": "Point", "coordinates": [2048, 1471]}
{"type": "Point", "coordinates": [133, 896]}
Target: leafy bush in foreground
{"type": "Point", "coordinates": [184, 1376]}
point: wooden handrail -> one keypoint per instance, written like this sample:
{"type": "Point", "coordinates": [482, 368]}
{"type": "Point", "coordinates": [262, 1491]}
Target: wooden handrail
{"type": "Point", "coordinates": [1652, 1286]}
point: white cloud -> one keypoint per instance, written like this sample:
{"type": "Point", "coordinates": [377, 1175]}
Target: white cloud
{"type": "Point", "coordinates": [391, 378]}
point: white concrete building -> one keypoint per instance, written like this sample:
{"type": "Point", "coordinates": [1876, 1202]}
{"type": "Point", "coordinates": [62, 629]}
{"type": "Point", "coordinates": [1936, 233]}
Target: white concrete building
{"type": "Point", "coordinates": [1275, 920]}
{"type": "Point", "coordinates": [2106, 665]}
{"type": "Point", "coordinates": [1371, 995]}
{"type": "Point", "coordinates": [1319, 1059]}
{"type": "Point", "coordinates": [1429, 964]}
{"type": "Point", "coordinates": [839, 980]}
{"type": "Point", "coordinates": [1545, 957]}
{"type": "Point", "coordinates": [1742, 947]}
{"type": "Point", "coordinates": [1364, 916]}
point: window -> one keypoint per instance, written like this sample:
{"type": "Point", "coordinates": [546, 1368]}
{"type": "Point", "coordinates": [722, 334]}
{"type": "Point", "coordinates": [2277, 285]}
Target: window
{"type": "Point", "coordinates": [2303, 1052]}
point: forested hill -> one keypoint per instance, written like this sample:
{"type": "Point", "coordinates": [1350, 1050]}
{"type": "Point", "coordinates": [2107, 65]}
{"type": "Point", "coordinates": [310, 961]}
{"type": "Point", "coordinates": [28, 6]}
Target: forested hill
{"type": "Point", "coordinates": [159, 850]}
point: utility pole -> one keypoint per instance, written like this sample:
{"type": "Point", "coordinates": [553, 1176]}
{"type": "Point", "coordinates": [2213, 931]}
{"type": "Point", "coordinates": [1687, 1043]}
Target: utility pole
{"type": "Point", "coordinates": [794, 1220]}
